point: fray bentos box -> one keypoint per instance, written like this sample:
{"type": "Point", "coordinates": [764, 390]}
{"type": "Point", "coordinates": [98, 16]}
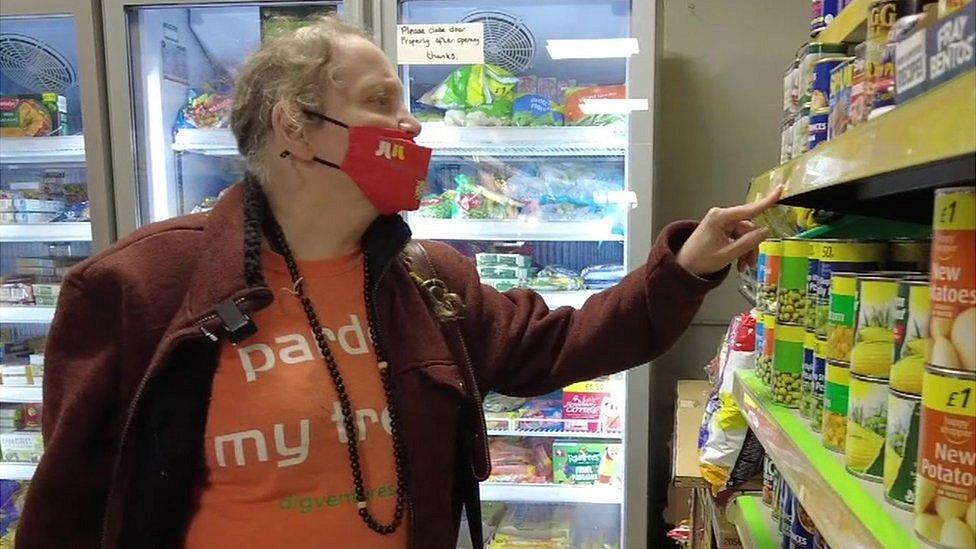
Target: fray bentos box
{"type": "Point", "coordinates": [35, 115]}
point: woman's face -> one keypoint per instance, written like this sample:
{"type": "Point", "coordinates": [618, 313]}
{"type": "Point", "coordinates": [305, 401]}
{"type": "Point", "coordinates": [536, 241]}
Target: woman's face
{"type": "Point", "coordinates": [364, 91]}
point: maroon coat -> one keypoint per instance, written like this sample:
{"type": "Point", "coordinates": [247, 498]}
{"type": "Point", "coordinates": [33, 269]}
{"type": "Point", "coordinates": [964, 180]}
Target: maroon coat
{"type": "Point", "coordinates": [129, 368]}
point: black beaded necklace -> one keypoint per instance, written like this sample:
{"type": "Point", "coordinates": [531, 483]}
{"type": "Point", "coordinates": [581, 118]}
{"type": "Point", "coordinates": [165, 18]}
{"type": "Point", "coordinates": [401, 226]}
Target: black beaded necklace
{"type": "Point", "coordinates": [345, 404]}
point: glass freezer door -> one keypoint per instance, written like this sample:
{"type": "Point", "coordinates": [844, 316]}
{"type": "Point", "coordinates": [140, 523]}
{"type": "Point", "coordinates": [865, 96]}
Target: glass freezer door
{"type": "Point", "coordinates": [181, 60]}
{"type": "Point", "coordinates": [528, 115]}
{"type": "Point", "coordinates": [53, 190]}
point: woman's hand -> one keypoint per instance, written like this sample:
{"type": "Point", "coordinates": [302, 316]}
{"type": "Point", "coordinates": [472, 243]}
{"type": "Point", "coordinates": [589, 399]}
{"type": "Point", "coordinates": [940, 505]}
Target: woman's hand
{"type": "Point", "coordinates": [726, 235]}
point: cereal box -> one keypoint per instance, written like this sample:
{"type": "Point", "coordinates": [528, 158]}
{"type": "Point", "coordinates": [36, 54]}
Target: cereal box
{"type": "Point", "coordinates": [593, 406]}
{"type": "Point", "coordinates": [22, 446]}
{"type": "Point", "coordinates": [586, 463]}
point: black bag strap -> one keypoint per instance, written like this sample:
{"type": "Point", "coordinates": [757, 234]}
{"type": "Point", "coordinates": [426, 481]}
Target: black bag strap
{"type": "Point", "coordinates": [448, 308]}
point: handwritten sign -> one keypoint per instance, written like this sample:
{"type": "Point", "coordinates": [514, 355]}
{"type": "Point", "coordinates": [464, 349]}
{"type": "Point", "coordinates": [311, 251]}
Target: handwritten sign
{"type": "Point", "coordinates": [443, 44]}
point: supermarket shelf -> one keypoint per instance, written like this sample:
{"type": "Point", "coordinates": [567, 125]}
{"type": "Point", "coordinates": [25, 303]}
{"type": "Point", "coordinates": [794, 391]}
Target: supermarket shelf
{"type": "Point", "coordinates": [45, 232]}
{"type": "Point", "coordinates": [574, 299]}
{"type": "Point", "coordinates": [550, 493]}
{"type": "Point", "coordinates": [887, 167]}
{"type": "Point", "coordinates": [537, 427]}
{"type": "Point", "coordinates": [849, 512]}
{"type": "Point", "coordinates": [849, 25]}
{"type": "Point", "coordinates": [17, 471]}
{"type": "Point", "coordinates": [26, 314]}
{"type": "Point", "coordinates": [753, 521]}
{"type": "Point", "coordinates": [20, 394]}
{"type": "Point", "coordinates": [462, 229]}
{"type": "Point", "coordinates": [535, 141]}
{"type": "Point", "coordinates": [43, 150]}
{"type": "Point", "coordinates": [455, 141]}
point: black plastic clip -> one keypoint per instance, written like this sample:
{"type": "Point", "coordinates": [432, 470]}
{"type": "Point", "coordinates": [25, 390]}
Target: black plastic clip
{"type": "Point", "coordinates": [238, 325]}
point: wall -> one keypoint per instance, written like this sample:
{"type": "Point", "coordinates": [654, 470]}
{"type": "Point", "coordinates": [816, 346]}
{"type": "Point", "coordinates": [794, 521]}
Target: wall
{"type": "Point", "coordinates": [719, 111]}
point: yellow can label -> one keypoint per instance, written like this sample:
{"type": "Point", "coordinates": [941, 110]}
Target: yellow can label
{"type": "Point", "coordinates": [839, 373]}
{"type": "Point", "coordinates": [790, 334]}
{"type": "Point", "coordinates": [949, 394]}
{"type": "Point", "coordinates": [769, 320]}
{"type": "Point", "coordinates": [852, 252]}
{"type": "Point", "coordinates": [955, 210]}
{"type": "Point", "coordinates": [772, 247]}
{"type": "Point", "coordinates": [811, 341]}
{"type": "Point", "coordinates": [796, 248]}
{"type": "Point", "coordinates": [843, 285]}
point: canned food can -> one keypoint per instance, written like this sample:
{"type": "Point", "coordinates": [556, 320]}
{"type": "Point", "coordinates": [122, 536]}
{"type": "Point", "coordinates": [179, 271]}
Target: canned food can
{"type": "Point", "coordinates": [786, 517]}
{"type": "Point", "coordinates": [843, 316]}
{"type": "Point", "coordinates": [882, 15]}
{"type": "Point", "coordinates": [801, 132]}
{"type": "Point", "coordinates": [773, 249]}
{"type": "Point", "coordinates": [764, 360]}
{"type": "Point", "coordinates": [818, 128]}
{"type": "Point", "coordinates": [813, 285]}
{"type": "Point", "coordinates": [948, 6]}
{"type": "Point", "coordinates": [786, 141]}
{"type": "Point", "coordinates": [909, 254]}
{"type": "Point", "coordinates": [788, 364]}
{"type": "Point", "coordinates": [769, 481]}
{"type": "Point", "coordinates": [792, 291]}
{"type": "Point", "coordinates": [778, 499]}
{"type": "Point", "coordinates": [820, 90]}
{"type": "Point", "coordinates": [851, 256]}
{"type": "Point", "coordinates": [791, 89]}
{"type": "Point", "coordinates": [808, 377]}
{"type": "Point", "coordinates": [822, 14]}
{"type": "Point", "coordinates": [841, 80]}
{"type": "Point", "coordinates": [867, 420]}
{"type": "Point", "coordinates": [861, 95]}
{"type": "Point", "coordinates": [819, 382]}
{"type": "Point", "coordinates": [901, 449]}
{"type": "Point", "coordinates": [813, 52]}
{"type": "Point", "coordinates": [804, 532]}
{"type": "Point", "coordinates": [874, 338]}
{"type": "Point", "coordinates": [836, 393]}
{"type": "Point", "coordinates": [954, 279]}
{"type": "Point", "coordinates": [945, 487]}
{"type": "Point", "coordinates": [913, 342]}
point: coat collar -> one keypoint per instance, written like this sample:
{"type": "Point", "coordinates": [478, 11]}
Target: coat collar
{"type": "Point", "coordinates": [220, 274]}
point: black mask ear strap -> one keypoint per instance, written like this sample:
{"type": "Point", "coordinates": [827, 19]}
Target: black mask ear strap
{"type": "Point", "coordinates": [321, 116]}
{"type": "Point", "coordinates": [286, 154]}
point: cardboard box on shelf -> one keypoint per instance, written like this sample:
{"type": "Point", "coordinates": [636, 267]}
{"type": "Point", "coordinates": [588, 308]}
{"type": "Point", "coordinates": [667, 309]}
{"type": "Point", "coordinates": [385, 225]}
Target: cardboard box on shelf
{"type": "Point", "coordinates": [594, 406]}
{"type": "Point", "coordinates": [586, 463]}
{"type": "Point", "coordinates": [22, 446]}
{"type": "Point", "coordinates": [688, 411]}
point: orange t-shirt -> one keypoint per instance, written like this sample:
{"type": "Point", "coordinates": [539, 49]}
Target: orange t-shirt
{"type": "Point", "coordinates": [275, 443]}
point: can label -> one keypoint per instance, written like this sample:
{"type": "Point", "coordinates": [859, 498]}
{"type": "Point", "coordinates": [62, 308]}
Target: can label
{"type": "Point", "coordinates": [867, 421]}
{"type": "Point", "coordinates": [822, 14]}
{"type": "Point", "coordinates": [841, 79]}
{"type": "Point", "coordinates": [786, 518]}
{"type": "Point", "coordinates": [946, 479]}
{"type": "Point", "coordinates": [820, 93]}
{"type": "Point", "coordinates": [818, 129]}
{"type": "Point", "coordinates": [846, 256]}
{"type": "Point", "coordinates": [769, 481]}
{"type": "Point", "coordinates": [819, 384]}
{"type": "Point", "coordinates": [804, 531]}
{"type": "Point", "coordinates": [882, 14]}
{"type": "Point", "coordinates": [954, 279]}
{"type": "Point", "coordinates": [874, 338]}
{"type": "Point", "coordinates": [948, 6]}
{"type": "Point", "coordinates": [801, 133]}
{"type": "Point", "coordinates": [840, 323]}
{"type": "Point", "coordinates": [807, 381]}
{"type": "Point", "coordinates": [792, 292]}
{"type": "Point", "coordinates": [909, 255]}
{"type": "Point", "coordinates": [836, 392]}
{"type": "Point", "coordinates": [813, 285]}
{"type": "Point", "coordinates": [901, 449]}
{"type": "Point", "coordinates": [788, 364]}
{"type": "Point", "coordinates": [912, 341]}
{"type": "Point", "coordinates": [770, 281]}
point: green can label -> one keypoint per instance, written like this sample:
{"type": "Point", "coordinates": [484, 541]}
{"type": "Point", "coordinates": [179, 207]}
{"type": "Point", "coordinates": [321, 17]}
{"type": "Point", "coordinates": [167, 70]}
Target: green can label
{"type": "Point", "coordinates": [842, 317]}
{"type": "Point", "coordinates": [788, 364]}
{"type": "Point", "coordinates": [837, 388]}
{"type": "Point", "coordinates": [901, 449]}
{"type": "Point", "coordinates": [792, 291]}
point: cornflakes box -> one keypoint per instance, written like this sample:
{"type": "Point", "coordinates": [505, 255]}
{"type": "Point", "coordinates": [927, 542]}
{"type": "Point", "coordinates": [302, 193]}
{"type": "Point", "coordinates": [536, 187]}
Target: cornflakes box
{"type": "Point", "coordinates": [593, 406]}
{"type": "Point", "coordinates": [36, 115]}
{"type": "Point", "coordinates": [586, 463]}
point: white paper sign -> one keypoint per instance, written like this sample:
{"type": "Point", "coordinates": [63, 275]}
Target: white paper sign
{"type": "Point", "coordinates": [445, 44]}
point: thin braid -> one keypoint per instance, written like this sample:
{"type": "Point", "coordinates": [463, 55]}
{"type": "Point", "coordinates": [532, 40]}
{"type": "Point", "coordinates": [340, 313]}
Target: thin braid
{"type": "Point", "coordinates": [255, 208]}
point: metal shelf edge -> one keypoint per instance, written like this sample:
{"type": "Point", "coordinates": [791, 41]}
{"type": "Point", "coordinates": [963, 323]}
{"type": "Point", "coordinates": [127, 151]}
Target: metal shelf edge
{"type": "Point", "coordinates": [26, 314]}
{"type": "Point", "coordinates": [550, 493]}
{"type": "Point", "coordinates": [21, 394]}
{"type": "Point", "coordinates": [46, 232]}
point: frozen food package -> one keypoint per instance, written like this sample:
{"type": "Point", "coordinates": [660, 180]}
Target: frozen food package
{"type": "Point", "coordinates": [535, 110]}
{"type": "Point", "coordinates": [723, 431]}
{"type": "Point", "coordinates": [13, 494]}
{"type": "Point", "coordinates": [534, 527]}
{"type": "Point", "coordinates": [471, 86]}
{"type": "Point", "coordinates": [36, 115]}
{"type": "Point", "coordinates": [575, 97]}
{"type": "Point", "coordinates": [205, 109]}
{"type": "Point", "coordinates": [556, 278]}
{"type": "Point", "coordinates": [520, 460]}
{"type": "Point", "coordinates": [586, 463]}
{"type": "Point", "coordinates": [498, 403]}
{"type": "Point", "coordinates": [599, 277]}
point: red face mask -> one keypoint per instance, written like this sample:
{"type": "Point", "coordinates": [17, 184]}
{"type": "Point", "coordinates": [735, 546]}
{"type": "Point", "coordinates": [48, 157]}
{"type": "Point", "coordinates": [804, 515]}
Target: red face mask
{"type": "Point", "coordinates": [387, 166]}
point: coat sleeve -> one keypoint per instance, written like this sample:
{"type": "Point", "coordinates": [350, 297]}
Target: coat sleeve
{"type": "Point", "coordinates": [519, 347]}
{"type": "Point", "coordinates": [66, 500]}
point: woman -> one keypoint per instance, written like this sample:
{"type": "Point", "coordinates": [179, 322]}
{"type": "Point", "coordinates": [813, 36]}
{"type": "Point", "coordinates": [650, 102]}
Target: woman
{"type": "Point", "coordinates": [271, 375]}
